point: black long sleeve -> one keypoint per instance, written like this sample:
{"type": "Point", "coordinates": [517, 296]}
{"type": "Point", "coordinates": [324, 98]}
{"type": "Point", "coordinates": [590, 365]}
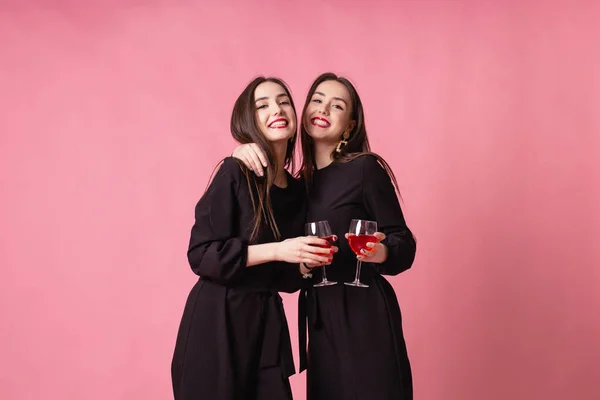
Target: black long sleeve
{"type": "Point", "coordinates": [217, 249]}
{"type": "Point", "coordinates": [382, 203]}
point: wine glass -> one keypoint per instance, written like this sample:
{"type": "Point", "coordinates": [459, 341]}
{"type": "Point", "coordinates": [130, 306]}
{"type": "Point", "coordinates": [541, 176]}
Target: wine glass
{"type": "Point", "coordinates": [323, 231]}
{"type": "Point", "coordinates": [360, 233]}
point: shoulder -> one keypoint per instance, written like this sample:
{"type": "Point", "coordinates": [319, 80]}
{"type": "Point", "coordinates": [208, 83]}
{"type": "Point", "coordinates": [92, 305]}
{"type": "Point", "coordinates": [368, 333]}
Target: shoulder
{"type": "Point", "coordinates": [366, 162]}
{"type": "Point", "coordinates": [231, 168]}
{"type": "Point", "coordinates": [371, 160]}
{"type": "Point", "coordinates": [229, 172]}
{"type": "Point", "coordinates": [373, 169]}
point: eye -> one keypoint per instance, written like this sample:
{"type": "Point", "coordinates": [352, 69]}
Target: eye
{"type": "Point", "coordinates": [317, 101]}
{"type": "Point", "coordinates": [338, 107]}
{"type": "Point", "coordinates": [261, 106]}
{"type": "Point", "coordinates": [285, 102]}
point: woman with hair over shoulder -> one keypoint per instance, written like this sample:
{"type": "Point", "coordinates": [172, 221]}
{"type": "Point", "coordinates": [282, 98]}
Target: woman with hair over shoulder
{"type": "Point", "coordinates": [246, 246]}
{"type": "Point", "coordinates": [356, 348]}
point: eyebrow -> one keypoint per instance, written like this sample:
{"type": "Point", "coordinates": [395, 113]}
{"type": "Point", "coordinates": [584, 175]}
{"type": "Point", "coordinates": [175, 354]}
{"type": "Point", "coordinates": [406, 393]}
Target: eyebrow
{"type": "Point", "coordinates": [266, 98]}
{"type": "Point", "coordinates": [335, 98]}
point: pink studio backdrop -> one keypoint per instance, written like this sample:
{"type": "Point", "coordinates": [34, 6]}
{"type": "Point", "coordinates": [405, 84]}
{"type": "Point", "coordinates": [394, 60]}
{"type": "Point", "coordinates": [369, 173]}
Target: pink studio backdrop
{"type": "Point", "coordinates": [114, 113]}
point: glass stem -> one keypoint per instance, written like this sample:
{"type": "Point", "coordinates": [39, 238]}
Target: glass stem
{"type": "Point", "coordinates": [324, 274]}
{"type": "Point", "coordinates": [358, 265]}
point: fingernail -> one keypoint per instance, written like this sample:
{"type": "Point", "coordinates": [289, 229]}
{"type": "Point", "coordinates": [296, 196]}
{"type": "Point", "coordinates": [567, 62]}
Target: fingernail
{"type": "Point", "coordinates": [332, 251]}
{"type": "Point", "coordinates": [331, 259]}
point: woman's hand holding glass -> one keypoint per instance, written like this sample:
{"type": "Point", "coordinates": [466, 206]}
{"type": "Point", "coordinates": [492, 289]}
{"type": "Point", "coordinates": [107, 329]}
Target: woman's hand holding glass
{"type": "Point", "coordinates": [310, 250]}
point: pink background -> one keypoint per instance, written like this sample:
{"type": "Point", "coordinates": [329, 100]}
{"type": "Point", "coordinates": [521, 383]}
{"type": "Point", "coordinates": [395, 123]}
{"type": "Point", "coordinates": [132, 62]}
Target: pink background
{"type": "Point", "coordinates": [113, 114]}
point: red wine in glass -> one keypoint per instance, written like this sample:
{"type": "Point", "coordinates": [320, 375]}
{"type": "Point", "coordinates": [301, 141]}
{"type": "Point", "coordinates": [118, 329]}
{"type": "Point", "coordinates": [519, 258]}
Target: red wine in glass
{"type": "Point", "coordinates": [329, 242]}
{"type": "Point", "coordinates": [322, 230]}
{"type": "Point", "coordinates": [359, 242]}
{"type": "Point", "coordinates": [360, 233]}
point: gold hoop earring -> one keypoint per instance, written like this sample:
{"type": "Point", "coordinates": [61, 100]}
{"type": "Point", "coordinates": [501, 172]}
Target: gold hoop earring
{"type": "Point", "coordinates": [343, 142]}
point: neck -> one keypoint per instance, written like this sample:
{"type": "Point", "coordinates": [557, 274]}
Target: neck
{"type": "Point", "coordinates": [281, 177]}
{"type": "Point", "coordinates": [323, 153]}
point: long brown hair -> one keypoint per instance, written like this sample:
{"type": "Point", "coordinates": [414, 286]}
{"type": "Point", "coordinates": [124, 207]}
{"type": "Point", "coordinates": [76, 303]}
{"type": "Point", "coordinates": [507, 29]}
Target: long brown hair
{"type": "Point", "coordinates": [358, 142]}
{"type": "Point", "coordinates": [244, 129]}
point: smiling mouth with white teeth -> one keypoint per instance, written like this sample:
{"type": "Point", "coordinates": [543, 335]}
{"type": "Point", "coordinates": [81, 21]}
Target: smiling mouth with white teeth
{"type": "Point", "coordinates": [320, 122]}
{"type": "Point", "coordinates": [280, 123]}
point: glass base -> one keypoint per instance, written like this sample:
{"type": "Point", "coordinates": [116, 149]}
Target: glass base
{"type": "Point", "coordinates": [356, 284]}
{"type": "Point", "coordinates": [325, 282]}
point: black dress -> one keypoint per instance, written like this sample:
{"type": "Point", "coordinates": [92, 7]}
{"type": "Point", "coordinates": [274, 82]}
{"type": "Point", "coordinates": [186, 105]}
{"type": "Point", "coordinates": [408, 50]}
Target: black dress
{"type": "Point", "coordinates": [233, 341]}
{"type": "Point", "coordinates": [356, 349]}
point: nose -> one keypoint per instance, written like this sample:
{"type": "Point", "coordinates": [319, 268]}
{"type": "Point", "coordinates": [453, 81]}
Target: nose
{"type": "Point", "coordinates": [276, 109]}
{"type": "Point", "coordinates": [323, 109]}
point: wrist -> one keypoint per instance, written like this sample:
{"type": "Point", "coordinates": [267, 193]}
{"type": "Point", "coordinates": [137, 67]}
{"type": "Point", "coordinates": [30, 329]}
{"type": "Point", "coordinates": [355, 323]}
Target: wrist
{"type": "Point", "coordinates": [384, 253]}
{"type": "Point", "coordinates": [275, 251]}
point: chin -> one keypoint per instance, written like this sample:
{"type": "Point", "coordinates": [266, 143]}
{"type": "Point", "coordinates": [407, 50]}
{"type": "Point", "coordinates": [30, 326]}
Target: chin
{"type": "Point", "coordinates": [321, 136]}
{"type": "Point", "coordinates": [279, 138]}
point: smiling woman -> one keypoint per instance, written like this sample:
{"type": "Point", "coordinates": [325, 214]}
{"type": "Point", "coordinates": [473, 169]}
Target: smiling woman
{"type": "Point", "coordinates": [275, 115]}
{"type": "Point", "coordinates": [263, 103]}
{"type": "Point", "coordinates": [356, 348]}
{"type": "Point", "coordinates": [233, 340]}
